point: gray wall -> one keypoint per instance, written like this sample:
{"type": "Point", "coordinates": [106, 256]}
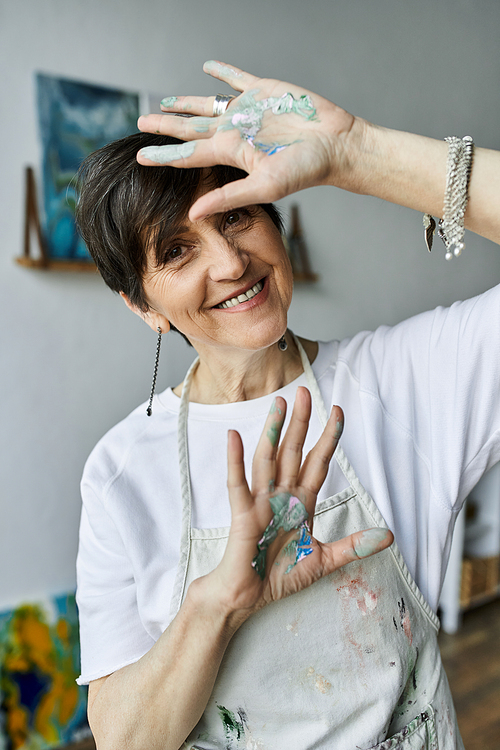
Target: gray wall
{"type": "Point", "coordinates": [73, 359]}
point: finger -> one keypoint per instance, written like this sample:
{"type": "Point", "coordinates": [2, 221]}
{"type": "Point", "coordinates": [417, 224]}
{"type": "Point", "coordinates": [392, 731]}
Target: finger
{"type": "Point", "coordinates": [236, 78]}
{"type": "Point", "coordinates": [193, 105]}
{"type": "Point", "coordinates": [240, 497]}
{"type": "Point", "coordinates": [290, 452]}
{"type": "Point", "coordinates": [196, 153]}
{"type": "Point", "coordinates": [184, 128]}
{"type": "Point", "coordinates": [249, 191]}
{"type": "Point", "coordinates": [264, 460]}
{"type": "Point", "coordinates": [317, 462]}
{"type": "Point", "coordinates": [358, 546]}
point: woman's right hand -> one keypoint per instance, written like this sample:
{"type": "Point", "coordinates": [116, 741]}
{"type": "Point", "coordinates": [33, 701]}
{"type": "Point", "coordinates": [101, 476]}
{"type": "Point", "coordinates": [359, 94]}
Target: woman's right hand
{"type": "Point", "coordinates": [271, 555]}
{"type": "Point", "coordinates": [285, 137]}
{"type": "Point", "coordinates": [289, 139]}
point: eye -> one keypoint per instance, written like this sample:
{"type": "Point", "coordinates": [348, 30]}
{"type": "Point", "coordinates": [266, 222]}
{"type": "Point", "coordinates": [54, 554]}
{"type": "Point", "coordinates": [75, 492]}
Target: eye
{"type": "Point", "coordinates": [233, 217]}
{"type": "Point", "coordinates": [170, 254]}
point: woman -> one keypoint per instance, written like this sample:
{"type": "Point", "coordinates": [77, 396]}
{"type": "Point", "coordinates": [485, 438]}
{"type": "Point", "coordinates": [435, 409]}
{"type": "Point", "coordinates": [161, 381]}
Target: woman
{"type": "Point", "coordinates": [212, 624]}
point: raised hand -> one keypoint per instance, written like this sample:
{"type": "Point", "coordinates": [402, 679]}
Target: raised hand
{"type": "Point", "coordinates": [271, 552]}
{"type": "Point", "coordinates": [285, 137]}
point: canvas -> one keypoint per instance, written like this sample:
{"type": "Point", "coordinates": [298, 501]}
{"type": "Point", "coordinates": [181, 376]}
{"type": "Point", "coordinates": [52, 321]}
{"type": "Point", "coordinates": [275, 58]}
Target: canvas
{"type": "Point", "coordinates": [41, 704]}
{"type": "Point", "coordinates": [75, 119]}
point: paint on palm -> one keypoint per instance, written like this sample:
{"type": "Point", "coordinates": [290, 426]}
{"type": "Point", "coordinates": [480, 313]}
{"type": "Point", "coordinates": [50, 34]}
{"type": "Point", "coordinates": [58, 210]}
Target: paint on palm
{"type": "Point", "coordinates": [246, 116]}
{"type": "Point", "coordinates": [289, 514]}
{"type": "Point", "coordinates": [298, 548]}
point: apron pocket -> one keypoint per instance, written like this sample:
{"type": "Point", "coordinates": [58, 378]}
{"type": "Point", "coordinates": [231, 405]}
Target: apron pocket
{"type": "Point", "coordinates": [419, 734]}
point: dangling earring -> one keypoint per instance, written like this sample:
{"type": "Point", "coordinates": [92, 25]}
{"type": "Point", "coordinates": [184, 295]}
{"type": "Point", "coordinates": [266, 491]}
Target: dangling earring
{"type": "Point", "coordinates": [282, 345]}
{"type": "Point", "coordinates": [149, 410]}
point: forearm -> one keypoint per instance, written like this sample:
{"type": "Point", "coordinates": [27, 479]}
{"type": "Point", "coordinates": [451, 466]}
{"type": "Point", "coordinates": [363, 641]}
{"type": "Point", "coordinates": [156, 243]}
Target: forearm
{"type": "Point", "coordinates": [156, 702]}
{"type": "Point", "coordinates": [410, 170]}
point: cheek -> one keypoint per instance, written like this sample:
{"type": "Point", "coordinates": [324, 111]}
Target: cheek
{"type": "Point", "coordinates": [287, 276]}
{"type": "Point", "coordinates": [166, 293]}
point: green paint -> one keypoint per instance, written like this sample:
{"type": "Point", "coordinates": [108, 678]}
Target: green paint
{"type": "Point", "coordinates": [369, 541]}
{"type": "Point", "coordinates": [166, 154]}
{"type": "Point", "coordinates": [247, 112]}
{"type": "Point", "coordinates": [202, 124]}
{"type": "Point", "coordinates": [275, 408]}
{"type": "Point", "coordinates": [212, 66]}
{"type": "Point", "coordinates": [290, 551]}
{"type": "Point", "coordinates": [271, 486]}
{"type": "Point", "coordinates": [289, 513]}
{"type": "Point", "coordinates": [232, 726]}
{"type": "Point", "coordinates": [273, 433]}
{"type": "Point", "coordinates": [338, 429]}
{"type": "Point", "coordinates": [169, 101]}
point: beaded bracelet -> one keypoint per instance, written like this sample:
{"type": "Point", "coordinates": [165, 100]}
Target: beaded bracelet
{"type": "Point", "coordinates": [458, 171]}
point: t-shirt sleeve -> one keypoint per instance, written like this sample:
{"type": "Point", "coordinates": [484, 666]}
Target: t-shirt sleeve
{"type": "Point", "coordinates": [437, 375]}
{"type": "Point", "coordinates": [111, 632]}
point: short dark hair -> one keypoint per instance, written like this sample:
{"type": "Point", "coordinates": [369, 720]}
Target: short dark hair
{"type": "Point", "coordinates": [124, 206]}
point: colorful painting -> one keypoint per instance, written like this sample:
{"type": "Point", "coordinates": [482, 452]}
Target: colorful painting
{"type": "Point", "coordinates": [41, 706]}
{"type": "Point", "coordinates": [75, 119]}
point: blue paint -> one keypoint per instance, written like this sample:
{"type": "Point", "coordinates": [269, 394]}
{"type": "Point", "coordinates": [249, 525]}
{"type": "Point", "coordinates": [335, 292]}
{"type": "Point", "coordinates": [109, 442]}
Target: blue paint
{"type": "Point", "coordinates": [302, 547]}
{"type": "Point", "coordinates": [289, 514]}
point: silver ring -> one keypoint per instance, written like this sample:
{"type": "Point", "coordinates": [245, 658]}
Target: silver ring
{"type": "Point", "coordinates": [221, 103]}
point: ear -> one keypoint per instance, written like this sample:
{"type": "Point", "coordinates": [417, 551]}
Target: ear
{"type": "Point", "coordinates": [153, 319]}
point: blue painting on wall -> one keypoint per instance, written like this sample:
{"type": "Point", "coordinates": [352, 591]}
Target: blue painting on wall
{"type": "Point", "coordinates": [75, 119]}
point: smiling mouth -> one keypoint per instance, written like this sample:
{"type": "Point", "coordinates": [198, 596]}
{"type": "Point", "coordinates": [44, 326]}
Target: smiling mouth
{"type": "Point", "coordinates": [234, 301]}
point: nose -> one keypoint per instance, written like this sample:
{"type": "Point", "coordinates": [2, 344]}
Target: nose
{"type": "Point", "coordinates": [226, 260]}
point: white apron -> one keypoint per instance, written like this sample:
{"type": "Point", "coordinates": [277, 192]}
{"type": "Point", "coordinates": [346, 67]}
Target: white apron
{"type": "Point", "coordinates": [350, 663]}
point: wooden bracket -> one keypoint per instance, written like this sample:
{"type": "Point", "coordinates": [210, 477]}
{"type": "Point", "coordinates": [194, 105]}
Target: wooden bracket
{"type": "Point", "coordinates": [32, 226]}
{"type": "Point", "coordinates": [297, 251]}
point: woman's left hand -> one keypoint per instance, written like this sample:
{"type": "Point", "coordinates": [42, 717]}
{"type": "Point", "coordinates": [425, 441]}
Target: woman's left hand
{"type": "Point", "coordinates": [284, 136]}
{"type": "Point", "coordinates": [271, 551]}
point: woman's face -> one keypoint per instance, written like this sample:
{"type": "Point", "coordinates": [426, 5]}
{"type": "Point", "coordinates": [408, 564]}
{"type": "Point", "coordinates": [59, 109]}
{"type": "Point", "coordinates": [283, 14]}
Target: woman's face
{"type": "Point", "coordinates": [225, 281]}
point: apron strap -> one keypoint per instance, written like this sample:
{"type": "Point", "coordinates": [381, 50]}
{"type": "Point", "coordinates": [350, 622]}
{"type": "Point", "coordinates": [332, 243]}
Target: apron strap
{"type": "Point", "coordinates": [183, 453]}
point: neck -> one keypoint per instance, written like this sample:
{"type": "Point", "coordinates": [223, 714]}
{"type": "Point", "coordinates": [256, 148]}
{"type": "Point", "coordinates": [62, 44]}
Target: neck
{"type": "Point", "coordinates": [242, 375]}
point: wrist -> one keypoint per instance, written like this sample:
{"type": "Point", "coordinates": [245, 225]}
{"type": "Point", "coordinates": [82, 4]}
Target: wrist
{"type": "Point", "coordinates": [353, 153]}
{"type": "Point", "coordinates": [396, 166]}
{"type": "Point", "coordinates": [225, 619]}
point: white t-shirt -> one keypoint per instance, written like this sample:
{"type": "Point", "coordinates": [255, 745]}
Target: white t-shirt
{"type": "Point", "coordinates": [422, 424]}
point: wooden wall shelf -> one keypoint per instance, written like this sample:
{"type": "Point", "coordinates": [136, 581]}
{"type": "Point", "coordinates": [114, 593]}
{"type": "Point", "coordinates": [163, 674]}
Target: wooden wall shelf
{"type": "Point", "coordinates": [43, 264]}
{"type": "Point", "coordinates": [305, 278]}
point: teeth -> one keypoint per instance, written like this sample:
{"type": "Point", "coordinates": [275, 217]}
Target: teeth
{"type": "Point", "coordinates": [243, 297]}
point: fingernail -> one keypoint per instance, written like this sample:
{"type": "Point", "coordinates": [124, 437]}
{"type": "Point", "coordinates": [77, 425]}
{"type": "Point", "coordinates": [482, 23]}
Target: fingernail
{"type": "Point", "coordinates": [169, 101]}
{"type": "Point", "coordinates": [369, 541]}
{"type": "Point", "coordinates": [167, 154]}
